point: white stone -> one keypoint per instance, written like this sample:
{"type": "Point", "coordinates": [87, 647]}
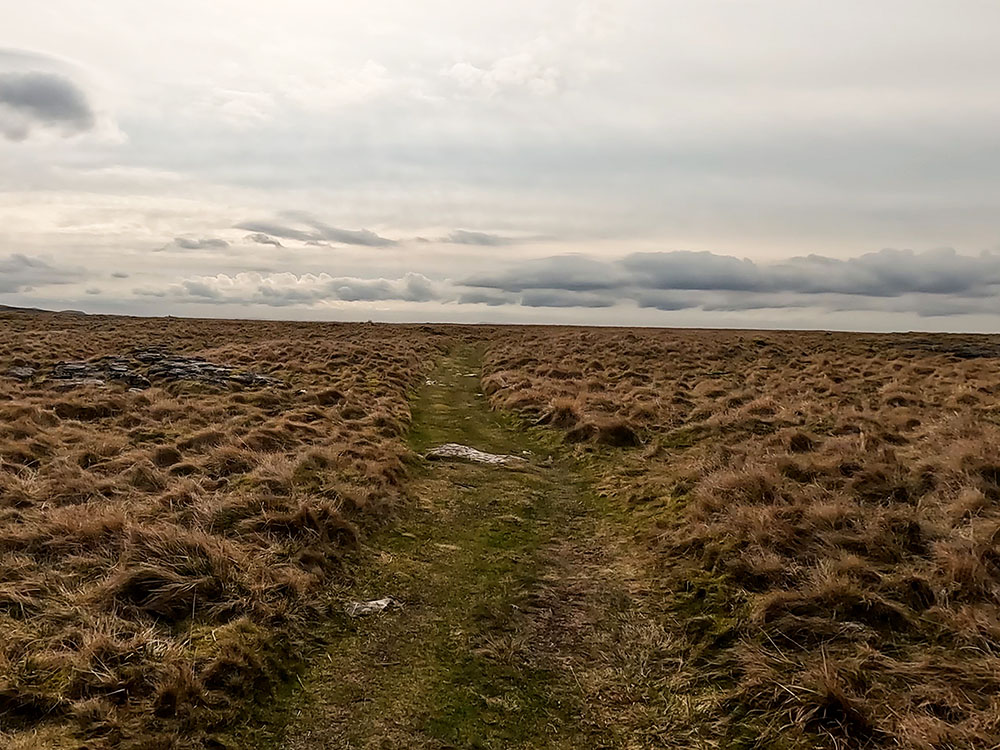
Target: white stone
{"type": "Point", "coordinates": [458, 452]}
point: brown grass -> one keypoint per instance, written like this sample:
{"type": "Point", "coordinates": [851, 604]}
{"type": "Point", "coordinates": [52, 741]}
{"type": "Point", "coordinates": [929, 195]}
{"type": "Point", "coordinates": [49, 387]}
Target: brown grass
{"type": "Point", "coordinates": [824, 507]}
{"type": "Point", "coordinates": [162, 551]}
{"type": "Point", "coordinates": [831, 502]}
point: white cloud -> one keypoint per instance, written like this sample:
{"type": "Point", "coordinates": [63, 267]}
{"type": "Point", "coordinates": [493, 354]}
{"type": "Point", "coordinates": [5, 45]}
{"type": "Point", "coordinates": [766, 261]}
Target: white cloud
{"type": "Point", "coordinates": [284, 289]}
{"type": "Point", "coordinates": [522, 71]}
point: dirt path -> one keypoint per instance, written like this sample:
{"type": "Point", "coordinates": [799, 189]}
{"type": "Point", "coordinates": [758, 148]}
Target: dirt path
{"type": "Point", "coordinates": [526, 620]}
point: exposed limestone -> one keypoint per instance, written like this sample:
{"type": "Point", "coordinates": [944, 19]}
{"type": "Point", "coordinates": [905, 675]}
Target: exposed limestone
{"type": "Point", "coordinates": [374, 607]}
{"type": "Point", "coordinates": [456, 452]}
{"type": "Point", "coordinates": [144, 367]}
{"type": "Point", "coordinates": [21, 373]}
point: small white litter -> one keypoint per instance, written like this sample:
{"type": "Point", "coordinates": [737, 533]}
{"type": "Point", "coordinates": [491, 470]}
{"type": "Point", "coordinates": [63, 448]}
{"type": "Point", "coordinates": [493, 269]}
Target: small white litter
{"type": "Point", "coordinates": [456, 452]}
{"type": "Point", "coordinates": [374, 607]}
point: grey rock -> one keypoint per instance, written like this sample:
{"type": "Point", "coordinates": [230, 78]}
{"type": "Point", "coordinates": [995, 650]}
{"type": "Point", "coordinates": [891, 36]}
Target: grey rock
{"type": "Point", "coordinates": [66, 384]}
{"type": "Point", "coordinates": [143, 367]}
{"type": "Point", "coordinates": [21, 373]}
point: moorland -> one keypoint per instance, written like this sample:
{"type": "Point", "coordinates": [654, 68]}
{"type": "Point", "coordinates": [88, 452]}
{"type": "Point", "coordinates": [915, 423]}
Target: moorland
{"type": "Point", "coordinates": [718, 538]}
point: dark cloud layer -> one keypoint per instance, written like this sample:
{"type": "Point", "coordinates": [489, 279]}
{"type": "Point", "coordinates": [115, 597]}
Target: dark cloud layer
{"type": "Point", "coordinates": [936, 282]}
{"type": "Point", "coordinates": [19, 273]}
{"type": "Point", "coordinates": [933, 283]}
{"type": "Point", "coordinates": [486, 297]}
{"type": "Point", "coordinates": [563, 298]}
{"type": "Point", "coordinates": [195, 243]}
{"type": "Point", "coordinates": [37, 99]}
{"type": "Point", "coordinates": [262, 239]}
{"type": "Point", "coordinates": [576, 273]}
{"type": "Point", "coordinates": [315, 231]}
{"type": "Point", "coordinates": [467, 237]}
{"type": "Point", "coordinates": [886, 273]}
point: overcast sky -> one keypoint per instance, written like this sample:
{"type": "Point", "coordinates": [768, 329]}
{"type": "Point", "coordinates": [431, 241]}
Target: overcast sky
{"type": "Point", "coordinates": [758, 164]}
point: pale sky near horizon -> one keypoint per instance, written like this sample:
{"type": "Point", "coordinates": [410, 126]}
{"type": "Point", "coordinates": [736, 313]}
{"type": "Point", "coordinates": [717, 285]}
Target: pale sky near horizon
{"type": "Point", "coordinates": [714, 163]}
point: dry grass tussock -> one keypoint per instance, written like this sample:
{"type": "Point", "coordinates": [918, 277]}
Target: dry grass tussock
{"type": "Point", "coordinates": [161, 550]}
{"type": "Point", "coordinates": [827, 506]}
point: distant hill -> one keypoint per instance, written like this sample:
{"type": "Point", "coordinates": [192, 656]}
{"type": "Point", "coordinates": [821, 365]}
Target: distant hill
{"type": "Point", "coordinates": [11, 308]}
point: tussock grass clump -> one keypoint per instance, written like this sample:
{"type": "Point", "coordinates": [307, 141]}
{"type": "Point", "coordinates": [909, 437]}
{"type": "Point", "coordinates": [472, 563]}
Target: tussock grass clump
{"type": "Point", "coordinates": [163, 553]}
{"type": "Point", "coordinates": [830, 503]}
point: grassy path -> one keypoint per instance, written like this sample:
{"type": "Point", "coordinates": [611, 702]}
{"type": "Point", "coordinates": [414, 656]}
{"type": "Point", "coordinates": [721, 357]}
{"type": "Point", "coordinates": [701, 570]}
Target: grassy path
{"type": "Point", "coordinates": [525, 620]}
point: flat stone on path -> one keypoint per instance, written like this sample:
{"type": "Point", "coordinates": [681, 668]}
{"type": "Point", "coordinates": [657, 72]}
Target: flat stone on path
{"type": "Point", "coordinates": [374, 607]}
{"type": "Point", "coordinates": [457, 452]}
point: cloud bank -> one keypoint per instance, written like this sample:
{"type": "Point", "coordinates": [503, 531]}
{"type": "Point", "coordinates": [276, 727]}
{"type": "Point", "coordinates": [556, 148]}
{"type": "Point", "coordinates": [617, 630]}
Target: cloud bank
{"type": "Point", "coordinates": [284, 289]}
{"type": "Point", "coordinates": [935, 282]}
{"type": "Point", "coordinates": [932, 283]}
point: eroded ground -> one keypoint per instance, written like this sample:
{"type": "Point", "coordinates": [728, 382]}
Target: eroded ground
{"type": "Point", "coordinates": [527, 616]}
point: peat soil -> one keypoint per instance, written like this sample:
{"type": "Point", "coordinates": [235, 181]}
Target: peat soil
{"type": "Point", "coordinates": [529, 617]}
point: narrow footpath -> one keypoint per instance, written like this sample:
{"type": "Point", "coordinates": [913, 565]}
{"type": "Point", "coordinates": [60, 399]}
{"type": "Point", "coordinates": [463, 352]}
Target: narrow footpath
{"type": "Point", "coordinates": [527, 617]}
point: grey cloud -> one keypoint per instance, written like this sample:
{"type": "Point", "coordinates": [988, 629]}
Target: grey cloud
{"type": "Point", "coordinates": [20, 273]}
{"type": "Point", "coordinates": [568, 272]}
{"type": "Point", "coordinates": [316, 231]}
{"type": "Point", "coordinates": [924, 304]}
{"type": "Point", "coordinates": [412, 288]}
{"type": "Point", "coordinates": [266, 229]}
{"type": "Point", "coordinates": [200, 289]}
{"type": "Point", "coordinates": [467, 237]}
{"type": "Point", "coordinates": [32, 99]}
{"type": "Point", "coordinates": [668, 301]}
{"type": "Point", "coordinates": [120, 275]}
{"type": "Point", "coordinates": [262, 239]}
{"type": "Point", "coordinates": [687, 270]}
{"type": "Point", "coordinates": [195, 243]}
{"type": "Point", "coordinates": [205, 243]}
{"type": "Point", "coordinates": [563, 298]}
{"type": "Point", "coordinates": [935, 282]}
{"type": "Point", "coordinates": [885, 273]}
{"type": "Point", "coordinates": [356, 237]}
{"type": "Point", "coordinates": [483, 297]}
